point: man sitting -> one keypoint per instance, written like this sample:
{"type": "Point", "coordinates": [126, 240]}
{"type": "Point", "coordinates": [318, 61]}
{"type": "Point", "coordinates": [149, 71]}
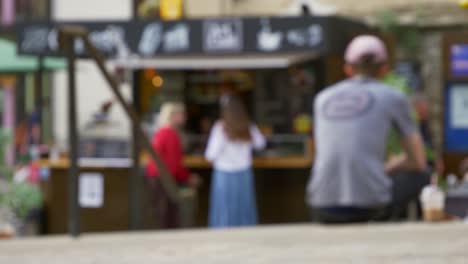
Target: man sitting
{"type": "Point", "coordinates": [350, 180]}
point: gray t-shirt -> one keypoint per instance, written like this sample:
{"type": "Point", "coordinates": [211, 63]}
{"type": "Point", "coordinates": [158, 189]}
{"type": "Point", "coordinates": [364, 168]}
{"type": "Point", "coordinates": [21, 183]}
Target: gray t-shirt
{"type": "Point", "coordinates": [352, 123]}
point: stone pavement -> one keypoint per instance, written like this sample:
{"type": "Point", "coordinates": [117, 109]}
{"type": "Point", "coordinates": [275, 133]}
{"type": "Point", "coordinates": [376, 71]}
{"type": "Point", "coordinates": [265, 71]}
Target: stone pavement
{"type": "Point", "coordinates": [397, 243]}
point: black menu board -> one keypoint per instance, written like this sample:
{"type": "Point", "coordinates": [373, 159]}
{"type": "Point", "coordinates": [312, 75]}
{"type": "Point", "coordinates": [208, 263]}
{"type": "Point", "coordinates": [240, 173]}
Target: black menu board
{"type": "Point", "coordinates": [220, 36]}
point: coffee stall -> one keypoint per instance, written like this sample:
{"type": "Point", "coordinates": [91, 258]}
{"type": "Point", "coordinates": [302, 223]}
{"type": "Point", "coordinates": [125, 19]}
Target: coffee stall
{"type": "Point", "coordinates": [276, 64]}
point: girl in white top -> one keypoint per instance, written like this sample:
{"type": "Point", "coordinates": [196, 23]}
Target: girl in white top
{"type": "Point", "coordinates": [229, 155]}
{"type": "Point", "coordinates": [230, 146]}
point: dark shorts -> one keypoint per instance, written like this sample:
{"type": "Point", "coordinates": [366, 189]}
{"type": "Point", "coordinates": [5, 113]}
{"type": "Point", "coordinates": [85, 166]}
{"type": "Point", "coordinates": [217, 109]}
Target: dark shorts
{"type": "Point", "coordinates": [349, 215]}
{"type": "Point", "coordinates": [406, 188]}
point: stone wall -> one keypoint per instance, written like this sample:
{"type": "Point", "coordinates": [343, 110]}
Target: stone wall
{"type": "Point", "coordinates": [259, 7]}
{"type": "Point", "coordinates": [214, 8]}
{"type": "Point", "coordinates": [432, 69]}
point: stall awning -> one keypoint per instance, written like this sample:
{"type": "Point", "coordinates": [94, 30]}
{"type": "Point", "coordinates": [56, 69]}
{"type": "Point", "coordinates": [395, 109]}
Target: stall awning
{"type": "Point", "coordinates": [11, 62]}
{"type": "Point", "coordinates": [216, 62]}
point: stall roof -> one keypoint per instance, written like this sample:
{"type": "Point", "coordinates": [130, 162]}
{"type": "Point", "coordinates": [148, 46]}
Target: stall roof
{"type": "Point", "coordinates": [217, 62]}
{"type": "Point", "coordinates": [11, 62]}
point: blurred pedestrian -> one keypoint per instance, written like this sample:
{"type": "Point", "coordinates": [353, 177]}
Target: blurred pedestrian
{"type": "Point", "coordinates": [230, 146]}
{"type": "Point", "coordinates": [350, 180]}
{"type": "Point", "coordinates": [167, 143]}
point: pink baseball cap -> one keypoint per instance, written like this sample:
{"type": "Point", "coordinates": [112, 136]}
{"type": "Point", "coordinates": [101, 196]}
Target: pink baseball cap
{"type": "Point", "coordinates": [366, 45]}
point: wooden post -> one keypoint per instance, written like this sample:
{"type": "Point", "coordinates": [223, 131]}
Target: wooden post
{"type": "Point", "coordinates": [73, 206]}
{"type": "Point", "coordinates": [136, 179]}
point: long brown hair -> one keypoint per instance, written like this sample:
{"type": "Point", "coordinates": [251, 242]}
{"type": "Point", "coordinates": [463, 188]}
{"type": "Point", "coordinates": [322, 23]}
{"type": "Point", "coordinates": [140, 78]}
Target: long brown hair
{"type": "Point", "coordinates": [236, 119]}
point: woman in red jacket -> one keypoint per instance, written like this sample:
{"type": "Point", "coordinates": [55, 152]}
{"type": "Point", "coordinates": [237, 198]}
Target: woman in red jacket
{"type": "Point", "coordinates": [166, 142]}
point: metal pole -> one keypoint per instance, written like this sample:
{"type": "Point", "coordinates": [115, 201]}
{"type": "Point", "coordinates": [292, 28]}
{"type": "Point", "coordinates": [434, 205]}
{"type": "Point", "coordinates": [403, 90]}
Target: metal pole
{"type": "Point", "coordinates": [73, 206]}
{"type": "Point", "coordinates": [136, 179]}
{"type": "Point", "coordinates": [38, 103]}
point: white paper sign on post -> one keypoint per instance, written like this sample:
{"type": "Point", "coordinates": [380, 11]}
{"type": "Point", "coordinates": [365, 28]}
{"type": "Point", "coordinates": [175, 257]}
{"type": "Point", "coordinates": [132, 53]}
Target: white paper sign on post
{"type": "Point", "coordinates": [91, 190]}
{"type": "Point", "coordinates": [459, 107]}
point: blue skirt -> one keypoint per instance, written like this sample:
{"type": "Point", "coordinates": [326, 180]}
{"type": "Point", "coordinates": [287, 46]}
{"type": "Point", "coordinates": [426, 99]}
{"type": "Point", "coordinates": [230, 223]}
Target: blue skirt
{"type": "Point", "coordinates": [232, 201]}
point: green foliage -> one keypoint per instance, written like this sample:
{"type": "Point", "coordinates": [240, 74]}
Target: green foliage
{"type": "Point", "coordinates": [408, 37]}
{"type": "Point", "coordinates": [388, 21]}
{"type": "Point", "coordinates": [21, 198]}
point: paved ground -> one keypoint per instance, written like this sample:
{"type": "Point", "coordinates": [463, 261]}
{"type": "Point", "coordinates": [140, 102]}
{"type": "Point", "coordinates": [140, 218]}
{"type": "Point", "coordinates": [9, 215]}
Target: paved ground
{"type": "Point", "coordinates": [406, 243]}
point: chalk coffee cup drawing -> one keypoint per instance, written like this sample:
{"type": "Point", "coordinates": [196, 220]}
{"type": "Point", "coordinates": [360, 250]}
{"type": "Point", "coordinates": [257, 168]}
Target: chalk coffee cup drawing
{"type": "Point", "coordinates": [267, 39]}
{"type": "Point", "coordinates": [433, 203]}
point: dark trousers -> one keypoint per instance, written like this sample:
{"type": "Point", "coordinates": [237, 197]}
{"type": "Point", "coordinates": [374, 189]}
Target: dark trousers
{"type": "Point", "coordinates": [166, 211]}
{"type": "Point", "coordinates": [406, 188]}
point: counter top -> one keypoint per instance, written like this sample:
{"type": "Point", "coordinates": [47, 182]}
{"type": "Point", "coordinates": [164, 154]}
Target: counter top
{"type": "Point", "coordinates": [289, 162]}
{"type": "Point", "coordinates": [193, 162]}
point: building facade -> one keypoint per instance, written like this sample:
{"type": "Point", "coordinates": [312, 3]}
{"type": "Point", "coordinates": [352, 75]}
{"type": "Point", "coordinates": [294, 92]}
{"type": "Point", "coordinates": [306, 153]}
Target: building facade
{"type": "Point", "coordinates": [92, 89]}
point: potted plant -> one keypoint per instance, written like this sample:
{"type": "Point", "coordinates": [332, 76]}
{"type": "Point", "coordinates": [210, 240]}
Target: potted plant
{"type": "Point", "coordinates": [17, 199]}
{"type": "Point", "coordinates": [23, 199]}
{"type": "Point", "coordinates": [6, 214]}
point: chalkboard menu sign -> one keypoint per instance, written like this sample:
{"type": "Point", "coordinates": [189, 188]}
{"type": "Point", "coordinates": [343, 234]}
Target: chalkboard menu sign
{"type": "Point", "coordinates": [195, 37]}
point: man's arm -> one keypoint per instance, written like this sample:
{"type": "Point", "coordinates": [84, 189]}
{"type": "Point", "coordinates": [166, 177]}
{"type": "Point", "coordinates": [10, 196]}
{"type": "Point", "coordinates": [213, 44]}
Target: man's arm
{"type": "Point", "coordinates": [414, 158]}
{"type": "Point", "coordinates": [412, 143]}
